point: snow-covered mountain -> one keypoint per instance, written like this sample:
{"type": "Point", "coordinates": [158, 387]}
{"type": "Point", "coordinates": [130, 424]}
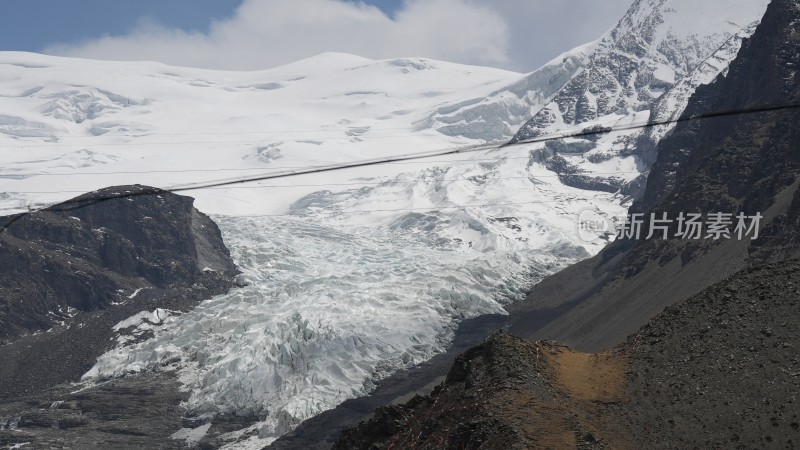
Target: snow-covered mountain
{"type": "Point", "coordinates": [354, 274]}
{"type": "Point", "coordinates": [644, 69]}
{"type": "Point", "coordinates": [70, 125]}
{"type": "Point", "coordinates": [497, 116]}
{"type": "Point", "coordinates": [656, 44]}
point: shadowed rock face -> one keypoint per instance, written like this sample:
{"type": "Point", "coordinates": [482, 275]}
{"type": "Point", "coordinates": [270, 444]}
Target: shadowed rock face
{"type": "Point", "coordinates": [69, 273]}
{"type": "Point", "coordinates": [741, 162]}
{"type": "Point", "coordinates": [95, 251]}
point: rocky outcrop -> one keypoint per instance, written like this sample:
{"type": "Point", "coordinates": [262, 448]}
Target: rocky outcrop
{"type": "Point", "coordinates": [72, 271]}
{"type": "Point", "coordinates": [98, 249]}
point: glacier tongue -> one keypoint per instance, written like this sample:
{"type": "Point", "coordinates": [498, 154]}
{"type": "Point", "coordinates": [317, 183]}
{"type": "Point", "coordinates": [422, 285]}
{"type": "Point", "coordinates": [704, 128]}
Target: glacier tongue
{"type": "Point", "coordinates": [326, 313]}
{"type": "Point", "coordinates": [347, 293]}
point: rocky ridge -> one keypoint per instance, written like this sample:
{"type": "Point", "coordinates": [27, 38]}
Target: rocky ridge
{"type": "Point", "coordinates": [98, 249]}
{"type": "Point", "coordinates": [71, 274]}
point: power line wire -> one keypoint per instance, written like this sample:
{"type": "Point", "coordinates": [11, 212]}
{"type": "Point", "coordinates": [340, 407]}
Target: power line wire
{"type": "Point", "coordinates": [237, 169]}
{"type": "Point", "coordinates": [648, 124]}
{"type": "Point", "coordinates": [356, 137]}
{"type": "Point", "coordinates": [363, 183]}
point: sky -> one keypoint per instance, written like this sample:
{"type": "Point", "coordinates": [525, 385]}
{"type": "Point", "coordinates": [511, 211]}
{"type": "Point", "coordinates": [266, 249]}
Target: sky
{"type": "Point", "coordinates": [518, 35]}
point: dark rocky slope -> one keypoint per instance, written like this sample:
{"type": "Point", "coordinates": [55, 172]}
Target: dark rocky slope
{"type": "Point", "coordinates": [138, 412]}
{"type": "Point", "coordinates": [503, 394]}
{"type": "Point", "coordinates": [719, 370]}
{"type": "Point", "coordinates": [69, 274]}
{"type": "Point", "coordinates": [96, 250]}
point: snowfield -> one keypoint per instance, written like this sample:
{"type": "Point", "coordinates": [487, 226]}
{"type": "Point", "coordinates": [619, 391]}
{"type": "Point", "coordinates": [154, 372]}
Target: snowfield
{"type": "Point", "coordinates": [69, 126]}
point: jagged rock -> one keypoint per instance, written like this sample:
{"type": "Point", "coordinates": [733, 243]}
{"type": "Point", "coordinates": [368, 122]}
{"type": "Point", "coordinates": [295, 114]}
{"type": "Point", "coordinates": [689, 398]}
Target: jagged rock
{"type": "Point", "coordinates": [643, 70]}
{"type": "Point", "coordinates": [95, 250]}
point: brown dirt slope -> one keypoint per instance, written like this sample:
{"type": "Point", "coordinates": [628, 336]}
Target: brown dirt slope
{"type": "Point", "coordinates": [718, 371]}
{"type": "Point", "coordinates": [507, 393]}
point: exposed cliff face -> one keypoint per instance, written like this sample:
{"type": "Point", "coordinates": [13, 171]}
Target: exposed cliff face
{"type": "Point", "coordinates": [742, 162]}
{"type": "Point", "coordinates": [88, 254]}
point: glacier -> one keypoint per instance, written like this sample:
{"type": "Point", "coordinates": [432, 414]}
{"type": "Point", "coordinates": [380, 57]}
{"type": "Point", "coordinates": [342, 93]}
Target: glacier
{"type": "Point", "coordinates": [340, 294]}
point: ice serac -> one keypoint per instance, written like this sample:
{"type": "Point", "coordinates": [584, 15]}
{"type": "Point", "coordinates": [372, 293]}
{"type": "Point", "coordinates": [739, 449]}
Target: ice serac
{"type": "Point", "coordinates": [643, 69]}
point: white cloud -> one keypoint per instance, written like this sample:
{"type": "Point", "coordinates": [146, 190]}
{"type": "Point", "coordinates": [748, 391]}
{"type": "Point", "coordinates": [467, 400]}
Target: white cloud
{"type": "Point", "coordinates": [516, 34]}
{"type": "Point", "coordinates": [268, 33]}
